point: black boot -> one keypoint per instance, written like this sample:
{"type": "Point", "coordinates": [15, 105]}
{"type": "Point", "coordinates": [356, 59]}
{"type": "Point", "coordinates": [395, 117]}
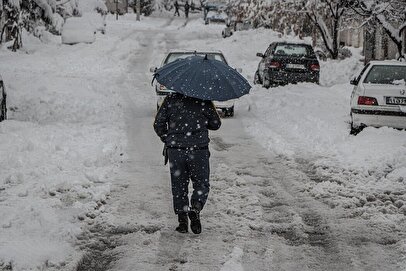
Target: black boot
{"type": "Point", "coordinates": [183, 223]}
{"type": "Point", "coordinates": [194, 216]}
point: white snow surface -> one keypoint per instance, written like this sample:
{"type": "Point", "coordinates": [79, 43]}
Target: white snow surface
{"type": "Point", "coordinates": [65, 140]}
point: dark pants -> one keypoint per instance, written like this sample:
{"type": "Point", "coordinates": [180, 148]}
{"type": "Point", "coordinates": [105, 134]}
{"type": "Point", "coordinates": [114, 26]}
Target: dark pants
{"type": "Point", "coordinates": [188, 165]}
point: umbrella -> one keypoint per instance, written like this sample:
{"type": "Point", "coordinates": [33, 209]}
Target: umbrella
{"type": "Point", "coordinates": [203, 78]}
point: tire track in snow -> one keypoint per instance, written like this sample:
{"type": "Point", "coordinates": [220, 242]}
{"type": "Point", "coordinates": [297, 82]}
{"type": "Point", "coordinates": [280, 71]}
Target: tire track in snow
{"type": "Point", "coordinates": [104, 241]}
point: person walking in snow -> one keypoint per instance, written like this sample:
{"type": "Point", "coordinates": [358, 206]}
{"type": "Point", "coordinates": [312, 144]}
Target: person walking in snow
{"type": "Point", "coordinates": [182, 123]}
{"type": "Point", "coordinates": [176, 8]}
{"type": "Point", "coordinates": [187, 9]}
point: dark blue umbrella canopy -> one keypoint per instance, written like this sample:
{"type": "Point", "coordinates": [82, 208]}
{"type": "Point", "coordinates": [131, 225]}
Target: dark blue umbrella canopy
{"type": "Point", "coordinates": [203, 78]}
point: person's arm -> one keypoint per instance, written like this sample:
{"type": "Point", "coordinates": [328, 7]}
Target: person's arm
{"type": "Point", "coordinates": [161, 120]}
{"type": "Point", "coordinates": [213, 118]}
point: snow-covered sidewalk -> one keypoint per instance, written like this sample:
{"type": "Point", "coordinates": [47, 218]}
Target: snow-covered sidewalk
{"type": "Point", "coordinates": [61, 144]}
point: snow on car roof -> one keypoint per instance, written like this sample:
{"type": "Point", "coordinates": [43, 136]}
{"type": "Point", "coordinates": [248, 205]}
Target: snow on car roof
{"type": "Point", "coordinates": [192, 51]}
{"type": "Point", "coordinates": [293, 42]}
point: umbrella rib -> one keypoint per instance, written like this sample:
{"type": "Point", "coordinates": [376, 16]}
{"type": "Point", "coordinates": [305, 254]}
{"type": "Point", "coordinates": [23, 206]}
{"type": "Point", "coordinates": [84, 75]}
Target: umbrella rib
{"type": "Point", "coordinates": [228, 82]}
{"type": "Point", "coordinates": [176, 77]}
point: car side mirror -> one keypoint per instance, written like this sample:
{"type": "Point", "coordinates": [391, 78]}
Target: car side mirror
{"type": "Point", "coordinates": [354, 81]}
{"type": "Point", "coordinates": [153, 69]}
{"type": "Point", "coordinates": [238, 70]}
{"type": "Point", "coordinates": [260, 54]}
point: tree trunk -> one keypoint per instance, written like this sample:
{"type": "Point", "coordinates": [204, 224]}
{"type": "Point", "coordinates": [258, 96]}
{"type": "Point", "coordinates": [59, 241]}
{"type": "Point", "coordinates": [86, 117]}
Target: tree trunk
{"type": "Point", "coordinates": [334, 49]}
{"type": "Point", "coordinates": [336, 25]}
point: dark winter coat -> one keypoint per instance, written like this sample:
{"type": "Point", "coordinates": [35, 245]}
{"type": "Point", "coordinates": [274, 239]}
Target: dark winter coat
{"type": "Point", "coordinates": [183, 122]}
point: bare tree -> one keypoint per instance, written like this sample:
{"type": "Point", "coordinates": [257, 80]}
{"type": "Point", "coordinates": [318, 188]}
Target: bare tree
{"type": "Point", "coordinates": [29, 14]}
{"type": "Point", "coordinates": [327, 16]}
{"type": "Point", "coordinates": [390, 14]}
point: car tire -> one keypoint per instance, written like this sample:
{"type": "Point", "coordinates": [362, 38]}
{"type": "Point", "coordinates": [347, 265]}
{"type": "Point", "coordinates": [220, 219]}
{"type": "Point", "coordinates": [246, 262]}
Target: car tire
{"type": "Point", "coordinates": [355, 130]}
{"type": "Point", "coordinates": [3, 110]}
{"type": "Point", "coordinates": [266, 83]}
{"type": "Point", "coordinates": [257, 79]}
{"type": "Point", "coordinates": [229, 112]}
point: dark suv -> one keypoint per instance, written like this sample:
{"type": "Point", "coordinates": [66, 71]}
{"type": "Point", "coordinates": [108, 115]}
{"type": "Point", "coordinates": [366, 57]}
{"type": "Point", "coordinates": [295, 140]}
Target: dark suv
{"type": "Point", "coordinates": [3, 108]}
{"type": "Point", "coordinates": [284, 63]}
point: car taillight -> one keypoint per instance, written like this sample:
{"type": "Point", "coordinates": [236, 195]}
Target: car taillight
{"type": "Point", "coordinates": [273, 65]}
{"type": "Point", "coordinates": [315, 67]}
{"type": "Point", "coordinates": [363, 100]}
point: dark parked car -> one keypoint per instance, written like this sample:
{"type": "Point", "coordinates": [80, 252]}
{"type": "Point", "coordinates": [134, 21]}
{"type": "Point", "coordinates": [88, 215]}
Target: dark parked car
{"type": "Point", "coordinates": [3, 108]}
{"type": "Point", "coordinates": [284, 63]}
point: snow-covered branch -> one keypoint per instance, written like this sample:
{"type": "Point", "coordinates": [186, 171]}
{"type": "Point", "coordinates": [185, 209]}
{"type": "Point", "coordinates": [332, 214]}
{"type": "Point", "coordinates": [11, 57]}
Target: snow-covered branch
{"type": "Point", "coordinates": [389, 14]}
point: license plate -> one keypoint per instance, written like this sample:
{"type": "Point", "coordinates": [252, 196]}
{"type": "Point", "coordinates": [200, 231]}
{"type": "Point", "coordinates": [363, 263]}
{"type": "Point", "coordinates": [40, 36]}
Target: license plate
{"type": "Point", "coordinates": [295, 66]}
{"type": "Point", "coordinates": [396, 100]}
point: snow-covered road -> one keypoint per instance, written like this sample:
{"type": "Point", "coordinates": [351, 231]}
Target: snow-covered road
{"type": "Point", "coordinates": [259, 216]}
{"type": "Point", "coordinates": [265, 209]}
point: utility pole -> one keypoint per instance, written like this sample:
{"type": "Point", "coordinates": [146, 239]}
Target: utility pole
{"type": "Point", "coordinates": [138, 9]}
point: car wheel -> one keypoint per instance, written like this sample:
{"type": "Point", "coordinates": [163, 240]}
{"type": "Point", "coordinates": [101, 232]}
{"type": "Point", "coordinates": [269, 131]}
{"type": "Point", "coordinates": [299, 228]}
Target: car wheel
{"type": "Point", "coordinates": [355, 130]}
{"type": "Point", "coordinates": [266, 83]}
{"type": "Point", "coordinates": [229, 112]}
{"type": "Point", "coordinates": [3, 110]}
{"type": "Point", "coordinates": [257, 79]}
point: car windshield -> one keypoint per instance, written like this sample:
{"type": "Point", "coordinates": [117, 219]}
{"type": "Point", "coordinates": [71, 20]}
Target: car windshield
{"type": "Point", "coordinates": [293, 50]}
{"type": "Point", "coordinates": [174, 56]}
{"type": "Point", "coordinates": [386, 74]}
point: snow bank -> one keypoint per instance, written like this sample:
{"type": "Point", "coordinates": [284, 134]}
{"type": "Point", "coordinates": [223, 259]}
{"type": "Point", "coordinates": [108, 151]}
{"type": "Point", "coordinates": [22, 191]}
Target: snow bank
{"type": "Point", "coordinates": [61, 145]}
{"type": "Point", "coordinates": [309, 124]}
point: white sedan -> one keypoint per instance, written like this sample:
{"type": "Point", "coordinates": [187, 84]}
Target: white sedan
{"type": "Point", "coordinates": [217, 16]}
{"type": "Point", "coordinates": [379, 96]}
